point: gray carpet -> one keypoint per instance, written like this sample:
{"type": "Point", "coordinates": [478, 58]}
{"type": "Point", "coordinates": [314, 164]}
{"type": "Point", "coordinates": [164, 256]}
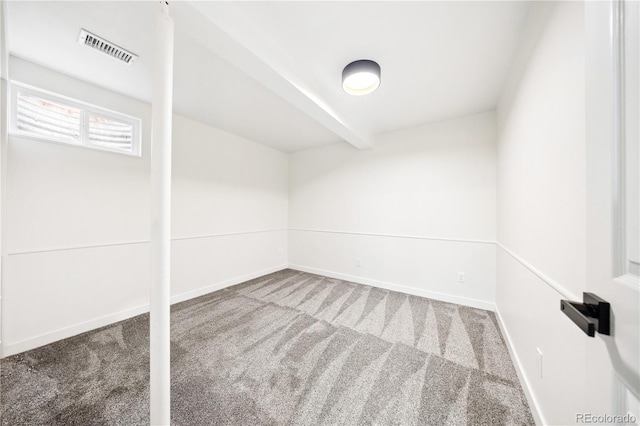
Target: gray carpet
{"type": "Point", "coordinates": [288, 348]}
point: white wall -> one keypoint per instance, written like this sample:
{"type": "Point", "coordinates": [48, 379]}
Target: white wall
{"type": "Point", "coordinates": [78, 220]}
{"type": "Point", "coordinates": [541, 207]}
{"type": "Point", "coordinates": [423, 203]}
{"type": "Point", "coordinates": [408, 215]}
{"type": "Point", "coordinates": [416, 210]}
{"type": "Point", "coordinates": [229, 209]}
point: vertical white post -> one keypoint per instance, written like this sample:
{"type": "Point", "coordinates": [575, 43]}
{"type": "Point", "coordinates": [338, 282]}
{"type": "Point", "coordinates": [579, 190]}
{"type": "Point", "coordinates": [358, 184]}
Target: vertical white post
{"type": "Point", "coordinates": [160, 336]}
{"type": "Point", "coordinates": [4, 137]}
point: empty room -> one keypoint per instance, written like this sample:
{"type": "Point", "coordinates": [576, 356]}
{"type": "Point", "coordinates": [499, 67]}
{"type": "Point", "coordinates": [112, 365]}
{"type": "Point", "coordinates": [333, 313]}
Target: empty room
{"type": "Point", "coordinates": [319, 212]}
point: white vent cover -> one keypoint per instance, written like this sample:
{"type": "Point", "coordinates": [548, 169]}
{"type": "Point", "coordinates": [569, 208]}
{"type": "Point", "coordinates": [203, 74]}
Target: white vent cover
{"type": "Point", "coordinates": [106, 47]}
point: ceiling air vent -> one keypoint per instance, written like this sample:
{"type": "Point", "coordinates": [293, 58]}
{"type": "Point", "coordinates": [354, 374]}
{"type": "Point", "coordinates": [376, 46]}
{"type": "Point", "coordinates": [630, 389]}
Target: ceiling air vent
{"type": "Point", "coordinates": [106, 47]}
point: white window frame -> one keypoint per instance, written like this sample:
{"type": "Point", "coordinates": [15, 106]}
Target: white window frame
{"type": "Point", "coordinates": [86, 109]}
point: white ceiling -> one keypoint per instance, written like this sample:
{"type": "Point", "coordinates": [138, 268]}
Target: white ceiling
{"type": "Point", "coordinates": [438, 59]}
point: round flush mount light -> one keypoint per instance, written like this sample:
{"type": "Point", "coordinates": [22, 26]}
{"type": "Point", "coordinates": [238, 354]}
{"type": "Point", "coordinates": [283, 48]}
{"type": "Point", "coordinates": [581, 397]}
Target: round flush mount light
{"type": "Point", "coordinates": [361, 77]}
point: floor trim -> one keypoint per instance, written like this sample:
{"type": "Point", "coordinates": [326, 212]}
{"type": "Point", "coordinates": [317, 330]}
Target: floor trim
{"type": "Point", "coordinates": [66, 332]}
{"type": "Point", "coordinates": [192, 294]}
{"type": "Point", "coordinates": [9, 349]}
{"type": "Point", "coordinates": [460, 300]}
{"type": "Point", "coordinates": [536, 412]}
{"type": "Point", "coordinates": [82, 327]}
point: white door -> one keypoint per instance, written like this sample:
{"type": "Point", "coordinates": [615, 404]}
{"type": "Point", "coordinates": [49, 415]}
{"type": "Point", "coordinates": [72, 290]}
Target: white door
{"type": "Point", "coordinates": [613, 194]}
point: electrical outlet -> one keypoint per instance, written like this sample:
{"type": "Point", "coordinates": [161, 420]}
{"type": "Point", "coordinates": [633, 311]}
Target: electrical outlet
{"type": "Point", "coordinates": [359, 262]}
{"type": "Point", "coordinates": [461, 277]}
{"type": "Point", "coordinates": [539, 361]}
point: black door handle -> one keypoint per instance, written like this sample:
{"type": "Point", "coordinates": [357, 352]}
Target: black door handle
{"type": "Point", "coordinates": [592, 315]}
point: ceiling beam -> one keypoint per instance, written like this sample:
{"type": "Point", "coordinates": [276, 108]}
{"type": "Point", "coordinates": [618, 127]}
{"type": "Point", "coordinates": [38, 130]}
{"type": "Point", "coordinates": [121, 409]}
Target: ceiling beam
{"type": "Point", "coordinates": [222, 28]}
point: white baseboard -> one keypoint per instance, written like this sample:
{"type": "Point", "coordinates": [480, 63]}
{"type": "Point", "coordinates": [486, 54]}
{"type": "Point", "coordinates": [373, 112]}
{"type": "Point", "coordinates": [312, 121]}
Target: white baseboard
{"type": "Point", "coordinates": [72, 330]}
{"type": "Point", "coordinates": [224, 284]}
{"type": "Point", "coordinates": [474, 303]}
{"type": "Point", "coordinates": [82, 327]}
{"type": "Point", "coordinates": [524, 382]}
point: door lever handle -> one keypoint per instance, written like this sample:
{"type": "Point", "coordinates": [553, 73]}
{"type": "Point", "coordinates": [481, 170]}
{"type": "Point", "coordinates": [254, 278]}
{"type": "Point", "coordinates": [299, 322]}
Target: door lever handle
{"type": "Point", "coordinates": [592, 315]}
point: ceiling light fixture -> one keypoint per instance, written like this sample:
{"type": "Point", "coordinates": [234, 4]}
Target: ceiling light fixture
{"type": "Point", "coordinates": [361, 77]}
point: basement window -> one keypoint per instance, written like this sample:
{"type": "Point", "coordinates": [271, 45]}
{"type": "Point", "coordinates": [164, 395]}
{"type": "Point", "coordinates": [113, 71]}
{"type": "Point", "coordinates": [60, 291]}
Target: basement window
{"type": "Point", "coordinates": [48, 116]}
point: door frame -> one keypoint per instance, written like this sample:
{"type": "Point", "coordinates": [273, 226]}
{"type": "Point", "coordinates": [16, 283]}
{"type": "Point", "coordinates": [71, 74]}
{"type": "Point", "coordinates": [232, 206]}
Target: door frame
{"type": "Point", "coordinates": [612, 361]}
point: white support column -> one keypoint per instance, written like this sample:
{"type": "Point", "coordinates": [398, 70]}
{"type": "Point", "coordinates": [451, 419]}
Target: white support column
{"type": "Point", "coordinates": [4, 138]}
{"type": "Point", "coordinates": [160, 377]}
{"type": "Point", "coordinates": [4, 67]}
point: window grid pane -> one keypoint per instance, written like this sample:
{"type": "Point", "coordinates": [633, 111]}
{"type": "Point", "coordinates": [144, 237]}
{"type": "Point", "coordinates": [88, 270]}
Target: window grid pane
{"type": "Point", "coordinates": [56, 118]}
{"type": "Point", "coordinates": [46, 118]}
{"type": "Point", "coordinates": [109, 133]}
